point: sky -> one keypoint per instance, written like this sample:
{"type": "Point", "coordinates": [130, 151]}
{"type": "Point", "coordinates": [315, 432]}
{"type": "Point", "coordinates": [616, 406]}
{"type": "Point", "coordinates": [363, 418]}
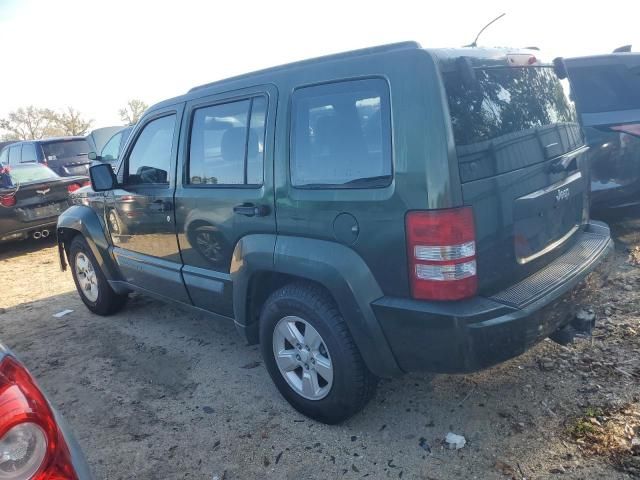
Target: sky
{"type": "Point", "coordinates": [95, 55]}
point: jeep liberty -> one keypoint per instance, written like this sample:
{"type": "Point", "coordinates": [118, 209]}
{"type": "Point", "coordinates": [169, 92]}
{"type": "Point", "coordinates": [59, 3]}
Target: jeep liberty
{"type": "Point", "coordinates": [359, 215]}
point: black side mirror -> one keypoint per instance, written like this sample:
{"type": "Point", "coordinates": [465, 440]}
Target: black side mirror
{"type": "Point", "coordinates": [467, 73]}
{"type": "Point", "coordinates": [102, 177]}
{"type": "Point", "coordinates": [94, 156]}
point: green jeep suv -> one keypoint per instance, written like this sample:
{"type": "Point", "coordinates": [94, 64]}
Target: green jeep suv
{"type": "Point", "coordinates": [359, 215]}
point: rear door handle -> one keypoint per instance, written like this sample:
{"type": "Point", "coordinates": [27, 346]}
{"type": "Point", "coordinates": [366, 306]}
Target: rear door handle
{"type": "Point", "coordinates": [251, 210]}
{"type": "Point", "coordinates": [160, 206]}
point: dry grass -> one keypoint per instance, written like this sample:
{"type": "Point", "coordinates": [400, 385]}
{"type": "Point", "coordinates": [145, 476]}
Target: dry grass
{"type": "Point", "coordinates": [614, 434]}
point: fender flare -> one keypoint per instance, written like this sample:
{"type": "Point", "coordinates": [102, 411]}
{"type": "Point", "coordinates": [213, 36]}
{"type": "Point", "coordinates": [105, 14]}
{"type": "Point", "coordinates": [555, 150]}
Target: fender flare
{"type": "Point", "coordinates": [336, 267]}
{"type": "Point", "coordinates": [84, 220]}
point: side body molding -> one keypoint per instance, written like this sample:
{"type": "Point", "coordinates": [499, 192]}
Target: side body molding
{"type": "Point", "coordinates": [82, 219]}
{"type": "Point", "coordinates": [338, 268]}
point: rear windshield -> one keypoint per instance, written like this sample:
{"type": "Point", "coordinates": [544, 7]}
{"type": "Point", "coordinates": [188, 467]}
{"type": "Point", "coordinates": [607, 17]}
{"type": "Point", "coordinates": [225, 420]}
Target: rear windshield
{"type": "Point", "coordinates": [605, 88]}
{"type": "Point", "coordinates": [511, 118]}
{"type": "Point", "coordinates": [25, 174]}
{"type": "Point", "coordinates": [65, 149]}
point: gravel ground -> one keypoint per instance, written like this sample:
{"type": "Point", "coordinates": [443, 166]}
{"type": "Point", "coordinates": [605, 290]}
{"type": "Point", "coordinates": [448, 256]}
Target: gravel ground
{"type": "Point", "coordinates": [157, 392]}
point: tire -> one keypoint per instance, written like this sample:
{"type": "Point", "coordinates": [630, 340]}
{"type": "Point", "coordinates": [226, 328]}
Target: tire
{"type": "Point", "coordinates": [348, 385]}
{"type": "Point", "coordinates": [102, 299]}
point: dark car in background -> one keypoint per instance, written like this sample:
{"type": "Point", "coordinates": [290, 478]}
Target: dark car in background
{"type": "Point", "coordinates": [67, 156]}
{"type": "Point", "coordinates": [31, 198]}
{"type": "Point", "coordinates": [35, 441]}
{"type": "Point", "coordinates": [606, 89]}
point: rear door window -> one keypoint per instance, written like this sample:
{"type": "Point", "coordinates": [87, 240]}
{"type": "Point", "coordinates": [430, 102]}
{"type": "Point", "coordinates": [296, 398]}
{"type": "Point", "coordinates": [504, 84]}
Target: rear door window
{"type": "Point", "coordinates": [29, 153]}
{"type": "Point", "coordinates": [341, 135]}
{"type": "Point", "coordinates": [227, 144]}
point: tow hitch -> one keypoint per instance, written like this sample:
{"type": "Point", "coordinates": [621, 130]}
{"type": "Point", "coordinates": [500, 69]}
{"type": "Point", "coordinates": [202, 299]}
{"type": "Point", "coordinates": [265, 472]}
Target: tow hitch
{"type": "Point", "coordinates": [580, 326]}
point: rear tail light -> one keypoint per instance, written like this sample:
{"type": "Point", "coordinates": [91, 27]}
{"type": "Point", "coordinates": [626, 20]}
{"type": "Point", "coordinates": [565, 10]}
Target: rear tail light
{"type": "Point", "coordinates": [86, 183]}
{"type": "Point", "coordinates": [31, 444]}
{"type": "Point", "coordinates": [73, 187]}
{"type": "Point", "coordinates": [631, 129]}
{"type": "Point", "coordinates": [8, 200]}
{"type": "Point", "coordinates": [442, 254]}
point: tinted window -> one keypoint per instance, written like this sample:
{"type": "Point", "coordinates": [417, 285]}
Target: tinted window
{"type": "Point", "coordinates": [29, 153]}
{"type": "Point", "coordinates": [14, 154]}
{"type": "Point", "coordinates": [341, 135]}
{"type": "Point", "coordinates": [111, 149]}
{"type": "Point", "coordinates": [510, 119]}
{"type": "Point", "coordinates": [227, 144]}
{"type": "Point", "coordinates": [4, 156]}
{"type": "Point", "coordinates": [150, 158]}
{"type": "Point", "coordinates": [65, 149]}
{"type": "Point", "coordinates": [606, 88]}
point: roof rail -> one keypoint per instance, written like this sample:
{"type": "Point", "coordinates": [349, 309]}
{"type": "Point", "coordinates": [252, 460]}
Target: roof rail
{"type": "Point", "coordinates": [353, 53]}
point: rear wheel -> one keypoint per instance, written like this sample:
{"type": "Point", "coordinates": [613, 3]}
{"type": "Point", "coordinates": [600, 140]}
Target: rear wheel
{"type": "Point", "coordinates": [94, 290]}
{"type": "Point", "coordinates": [311, 356]}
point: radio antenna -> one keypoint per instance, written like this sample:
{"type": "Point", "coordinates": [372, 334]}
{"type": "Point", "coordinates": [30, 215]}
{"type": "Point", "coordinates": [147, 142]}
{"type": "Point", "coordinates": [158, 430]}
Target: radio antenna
{"type": "Point", "coordinates": [475, 42]}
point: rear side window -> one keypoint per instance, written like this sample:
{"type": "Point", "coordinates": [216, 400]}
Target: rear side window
{"type": "Point", "coordinates": [606, 88]}
{"type": "Point", "coordinates": [4, 156]}
{"type": "Point", "coordinates": [29, 153]}
{"type": "Point", "coordinates": [150, 158]}
{"type": "Point", "coordinates": [14, 154]}
{"type": "Point", "coordinates": [227, 144]}
{"type": "Point", "coordinates": [341, 135]}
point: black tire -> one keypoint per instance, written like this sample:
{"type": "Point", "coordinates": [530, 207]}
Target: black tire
{"type": "Point", "coordinates": [108, 301]}
{"type": "Point", "coordinates": [353, 384]}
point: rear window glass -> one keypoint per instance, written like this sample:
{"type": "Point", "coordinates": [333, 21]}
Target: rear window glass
{"type": "Point", "coordinates": [31, 173]}
{"type": "Point", "coordinates": [607, 88]}
{"type": "Point", "coordinates": [341, 135]}
{"type": "Point", "coordinates": [65, 149]}
{"type": "Point", "coordinates": [29, 153]}
{"type": "Point", "coordinates": [511, 118]}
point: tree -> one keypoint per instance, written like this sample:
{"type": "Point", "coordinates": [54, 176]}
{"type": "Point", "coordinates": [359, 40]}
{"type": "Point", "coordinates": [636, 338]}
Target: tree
{"type": "Point", "coordinates": [28, 123]}
{"type": "Point", "coordinates": [70, 122]}
{"type": "Point", "coordinates": [133, 111]}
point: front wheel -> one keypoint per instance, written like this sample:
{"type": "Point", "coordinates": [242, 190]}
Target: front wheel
{"type": "Point", "coordinates": [94, 290]}
{"type": "Point", "coordinates": [311, 356]}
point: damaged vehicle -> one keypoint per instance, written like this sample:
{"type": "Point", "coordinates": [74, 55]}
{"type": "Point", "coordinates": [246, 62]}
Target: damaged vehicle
{"type": "Point", "coordinates": [360, 215]}
{"type": "Point", "coordinates": [31, 198]}
{"type": "Point", "coordinates": [606, 89]}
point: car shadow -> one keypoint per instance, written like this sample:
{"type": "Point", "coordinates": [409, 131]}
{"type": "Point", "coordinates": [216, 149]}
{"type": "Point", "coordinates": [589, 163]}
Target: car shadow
{"type": "Point", "coordinates": [16, 248]}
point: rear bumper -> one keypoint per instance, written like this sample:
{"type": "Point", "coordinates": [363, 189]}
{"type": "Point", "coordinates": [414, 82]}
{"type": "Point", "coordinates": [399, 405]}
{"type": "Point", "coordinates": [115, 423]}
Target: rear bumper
{"type": "Point", "coordinates": [21, 230]}
{"type": "Point", "coordinates": [457, 337]}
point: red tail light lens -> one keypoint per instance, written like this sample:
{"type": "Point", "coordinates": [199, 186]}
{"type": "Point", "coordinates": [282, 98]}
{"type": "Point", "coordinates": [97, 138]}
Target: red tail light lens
{"type": "Point", "coordinates": [631, 129]}
{"type": "Point", "coordinates": [442, 254]}
{"type": "Point", "coordinates": [73, 187]}
{"type": "Point", "coordinates": [8, 200]}
{"type": "Point", "coordinates": [86, 183]}
{"type": "Point", "coordinates": [31, 445]}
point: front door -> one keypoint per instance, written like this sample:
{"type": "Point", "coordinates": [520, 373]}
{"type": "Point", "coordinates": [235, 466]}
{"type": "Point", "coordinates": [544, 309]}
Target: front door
{"type": "Point", "coordinates": [140, 213]}
{"type": "Point", "coordinates": [226, 190]}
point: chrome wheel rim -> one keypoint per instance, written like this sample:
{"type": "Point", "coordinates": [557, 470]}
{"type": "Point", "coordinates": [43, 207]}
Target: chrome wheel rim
{"type": "Point", "coordinates": [86, 275]}
{"type": "Point", "coordinates": [302, 358]}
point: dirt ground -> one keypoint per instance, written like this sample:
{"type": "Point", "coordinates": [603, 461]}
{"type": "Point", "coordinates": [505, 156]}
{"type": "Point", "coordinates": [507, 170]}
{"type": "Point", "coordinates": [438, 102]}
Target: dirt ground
{"type": "Point", "coordinates": [159, 393]}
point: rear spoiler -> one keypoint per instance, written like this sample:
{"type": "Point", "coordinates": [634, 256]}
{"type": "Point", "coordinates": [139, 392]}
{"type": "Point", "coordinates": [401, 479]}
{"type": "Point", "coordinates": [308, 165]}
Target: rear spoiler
{"type": "Point", "coordinates": [624, 48]}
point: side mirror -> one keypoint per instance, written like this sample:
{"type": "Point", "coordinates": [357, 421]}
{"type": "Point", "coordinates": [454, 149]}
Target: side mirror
{"type": "Point", "coordinates": [560, 68]}
{"type": "Point", "coordinates": [102, 177]}
{"type": "Point", "coordinates": [93, 156]}
{"type": "Point", "coordinates": [467, 73]}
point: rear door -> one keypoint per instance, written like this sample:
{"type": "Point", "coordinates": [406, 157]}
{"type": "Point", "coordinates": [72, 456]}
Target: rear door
{"type": "Point", "coordinates": [522, 166]}
{"type": "Point", "coordinates": [140, 213]}
{"type": "Point", "coordinates": [226, 189]}
{"type": "Point", "coordinates": [607, 93]}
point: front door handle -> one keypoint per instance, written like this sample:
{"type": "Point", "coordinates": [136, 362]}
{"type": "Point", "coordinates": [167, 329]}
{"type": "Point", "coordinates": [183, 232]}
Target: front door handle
{"type": "Point", "coordinates": [251, 210]}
